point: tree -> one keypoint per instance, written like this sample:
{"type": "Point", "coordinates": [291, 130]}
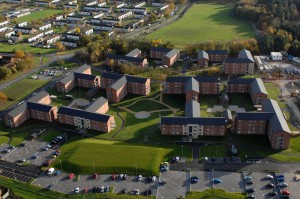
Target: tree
{"type": "Point", "coordinates": [278, 71]}
{"type": "Point", "coordinates": [59, 46]}
{"type": "Point", "coordinates": [85, 40]}
{"type": "Point", "coordinates": [171, 6]}
{"type": "Point", "coordinates": [4, 72]}
{"type": "Point", "coordinates": [77, 30]}
{"type": "Point", "coordinates": [3, 96]}
{"type": "Point", "coordinates": [19, 54]}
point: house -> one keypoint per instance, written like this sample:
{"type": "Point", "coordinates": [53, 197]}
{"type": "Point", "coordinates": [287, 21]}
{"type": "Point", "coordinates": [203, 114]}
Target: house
{"type": "Point", "coordinates": [73, 36]}
{"type": "Point", "coordinates": [118, 86]}
{"type": "Point", "coordinates": [124, 15]}
{"type": "Point", "coordinates": [51, 39]}
{"type": "Point", "coordinates": [139, 4]}
{"type": "Point", "coordinates": [75, 18]}
{"type": "Point", "coordinates": [4, 29]}
{"type": "Point", "coordinates": [14, 1]}
{"type": "Point", "coordinates": [82, 77]}
{"type": "Point", "coordinates": [120, 4]}
{"type": "Point", "coordinates": [37, 107]}
{"type": "Point", "coordinates": [16, 38]}
{"type": "Point", "coordinates": [243, 65]}
{"type": "Point", "coordinates": [111, 20]}
{"type": "Point", "coordinates": [102, 4]}
{"type": "Point", "coordinates": [254, 86]}
{"type": "Point", "coordinates": [69, 43]}
{"type": "Point", "coordinates": [22, 24]}
{"type": "Point", "coordinates": [164, 7]}
{"type": "Point", "coordinates": [217, 56]}
{"type": "Point", "coordinates": [102, 27]}
{"type": "Point", "coordinates": [48, 32]}
{"type": "Point", "coordinates": [70, 6]}
{"type": "Point", "coordinates": [8, 33]}
{"type": "Point", "coordinates": [87, 31]}
{"type": "Point", "coordinates": [84, 12]}
{"type": "Point", "coordinates": [3, 23]}
{"type": "Point", "coordinates": [43, 27]}
{"type": "Point", "coordinates": [25, 30]}
{"type": "Point", "coordinates": [85, 119]}
{"type": "Point", "coordinates": [276, 56]}
{"type": "Point", "coordinates": [59, 17]}
{"type": "Point", "coordinates": [35, 37]}
{"type": "Point", "coordinates": [91, 3]}
{"type": "Point", "coordinates": [42, 3]}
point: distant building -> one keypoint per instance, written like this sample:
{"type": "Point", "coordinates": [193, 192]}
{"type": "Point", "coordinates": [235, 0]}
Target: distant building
{"type": "Point", "coordinates": [276, 56]}
{"type": "Point", "coordinates": [168, 56]}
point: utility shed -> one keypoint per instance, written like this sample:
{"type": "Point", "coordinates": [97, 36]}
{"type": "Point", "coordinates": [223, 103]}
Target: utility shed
{"type": "Point", "coordinates": [276, 56]}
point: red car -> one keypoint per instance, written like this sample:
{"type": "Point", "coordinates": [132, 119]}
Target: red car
{"type": "Point", "coordinates": [85, 190]}
{"type": "Point", "coordinates": [285, 192]}
{"type": "Point", "coordinates": [95, 175]}
{"type": "Point", "coordinates": [114, 176]}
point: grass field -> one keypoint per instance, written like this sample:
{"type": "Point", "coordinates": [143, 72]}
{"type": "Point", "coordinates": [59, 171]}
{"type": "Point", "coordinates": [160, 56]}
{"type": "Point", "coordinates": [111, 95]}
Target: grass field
{"type": "Point", "coordinates": [215, 194]}
{"type": "Point", "coordinates": [38, 15]}
{"type": "Point", "coordinates": [20, 90]}
{"type": "Point", "coordinates": [204, 22]}
{"type": "Point", "coordinates": [112, 157]}
{"type": "Point", "coordinates": [25, 47]}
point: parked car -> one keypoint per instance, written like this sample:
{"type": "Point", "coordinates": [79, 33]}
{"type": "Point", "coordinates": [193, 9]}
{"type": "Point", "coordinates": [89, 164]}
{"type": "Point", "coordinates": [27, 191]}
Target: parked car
{"type": "Point", "coordinates": [125, 177]}
{"type": "Point", "coordinates": [23, 144]}
{"type": "Point", "coordinates": [106, 189]}
{"type": "Point", "coordinates": [22, 160]}
{"type": "Point", "coordinates": [50, 171]}
{"type": "Point", "coordinates": [135, 192]}
{"type": "Point", "coordinates": [279, 176]}
{"type": "Point", "coordinates": [153, 178]}
{"type": "Point", "coordinates": [162, 182]}
{"type": "Point", "coordinates": [194, 179]}
{"type": "Point", "coordinates": [285, 192]}
{"type": "Point", "coordinates": [76, 190]}
{"type": "Point", "coordinates": [94, 175]}
{"type": "Point", "coordinates": [121, 176]}
{"type": "Point", "coordinates": [58, 172]}
{"type": "Point", "coordinates": [250, 190]}
{"type": "Point", "coordinates": [102, 189]}
{"type": "Point", "coordinates": [12, 147]}
{"type": "Point", "coordinates": [280, 179]}
{"type": "Point", "coordinates": [34, 156]}
{"type": "Point", "coordinates": [251, 196]}
{"type": "Point", "coordinates": [247, 178]}
{"type": "Point", "coordinates": [249, 182]}
{"type": "Point", "coordinates": [273, 193]}
{"type": "Point", "coordinates": [114, 176]}
{"type": "Point", "coordinates": [140, 177]}
{"type": "Point", "coordinates": [269, 177]}
{"type": "Point", "coordinates": [148, 192]}
{"type": "Point", "coordinates": [59, 137]}
{"type": "Point", "coordinates": [50, 186]}
{"type": "Point", "coordinates": [270, 185]}
{"type": "Point", "coordinates": [7, 150]}
{"type": "Point", "coordinates": [85, 190]}
{"type": "Point", "coordinates": [217, 180]}
{"type": "Point", "coordinates": [283, 184]}
{"type": "Point", "coordinates": [44, 148]}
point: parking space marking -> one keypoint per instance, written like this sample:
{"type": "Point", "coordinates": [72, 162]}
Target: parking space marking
{"type": "Point", "coordinates": [16, 176]}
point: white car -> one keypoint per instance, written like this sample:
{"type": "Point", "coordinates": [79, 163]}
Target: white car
{"type": "Point", "coordinates": [76, 190]}
{"type": "Point", "coordinates": [269, 177]}
{"type": "Point", "coordinates": [50, 171]}
{"type": "Point", "coordinates": [121, 176]}
{"type": "Point", "coordinates": [283, 184]}
{"type": "Point", "coordinates": [140, 177]}
{"type": "Point", "coordinates": [153, 178]}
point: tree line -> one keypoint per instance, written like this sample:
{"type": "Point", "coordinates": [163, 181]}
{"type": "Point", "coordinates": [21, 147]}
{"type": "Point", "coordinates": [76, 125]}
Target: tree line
{"type": "Point", "coordinates": [277, 20]}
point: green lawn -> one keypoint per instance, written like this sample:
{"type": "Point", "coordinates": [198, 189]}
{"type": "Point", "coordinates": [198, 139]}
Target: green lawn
{"type": "Point", "coordinates": [215, 194]}
{"type": "Point", "coordinates": [241, 100]}
{"type": "Point", "coordinates": [112, 157]}
{"type": "Point", "coordinates": [212, 151]}
{"type": "Point", "coordinates": [4, 139]}
{"type": "Point", "coordinates": [147, 105]}
{"type": "Point", "coordinates": [204, 22]}
{"type": "Point", "coordinates": [38, 15]}
{"type": "Point", "coordinates": [20, 90]}
{"type": "Point", "coordinates": [25, 47]}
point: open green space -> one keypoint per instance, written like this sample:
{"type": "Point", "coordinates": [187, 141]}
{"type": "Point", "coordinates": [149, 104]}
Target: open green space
{"type": "Point", "coordinates": [25, 47]}
{"type": "Point", "coordinates": [146, 105]}
{"type": "Point", "coordinates": [112, 157]}
{"type": "Point", "coordinates": [212, 151]}
{"type": "Point", "coordinates": [28, 191]}
{"type": "Point", "coordinates": [19, 90]}
{"type": "Point", "coordinates": [215, 194]}
{"type": "Point", "coordinates": [4, 139]}
{"type": "Point", "coordinates": [204, 22]}
{"type": "Point", "coordinates": [38, 15]}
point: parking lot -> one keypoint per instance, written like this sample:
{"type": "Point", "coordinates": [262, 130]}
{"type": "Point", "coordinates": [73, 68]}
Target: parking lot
{"type": "Point", "coordinates": [176, 185]}
{"type": "Point", "coordinates": [14, 175]}
{"type": "Point", "coordinates": [62, 183]}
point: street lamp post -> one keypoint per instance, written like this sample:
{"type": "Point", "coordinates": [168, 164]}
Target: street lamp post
{"type": "Point", "coordinates": [61, 166]}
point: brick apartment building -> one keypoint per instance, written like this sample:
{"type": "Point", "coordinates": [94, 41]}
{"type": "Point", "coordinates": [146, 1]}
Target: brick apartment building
{"type": "Point", "coordinates": [192, 86]}
{"type": "Point", "coordinates": [93, 117]}
{"type": "Point", "coordinates": [167, 56]}
{"type": "Point", "coordinates": [270, 121]}
{"type": "Point", "coordinates": [37, 107]}
{"type": "Point", "coordinates": [192, 124]}
{"type": "Point", "coordinates": [134, 58]}
{"type": "Point", "coordinates": [254, 86]}
{"type": "Point", "coordinates": [211, 56]}
{"type": "Point", "coordinates": [243, 65]}
{"type": "Point", "coordinates": [118, 86]}
{"type": "Point", "coordinates": [82, 77]}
